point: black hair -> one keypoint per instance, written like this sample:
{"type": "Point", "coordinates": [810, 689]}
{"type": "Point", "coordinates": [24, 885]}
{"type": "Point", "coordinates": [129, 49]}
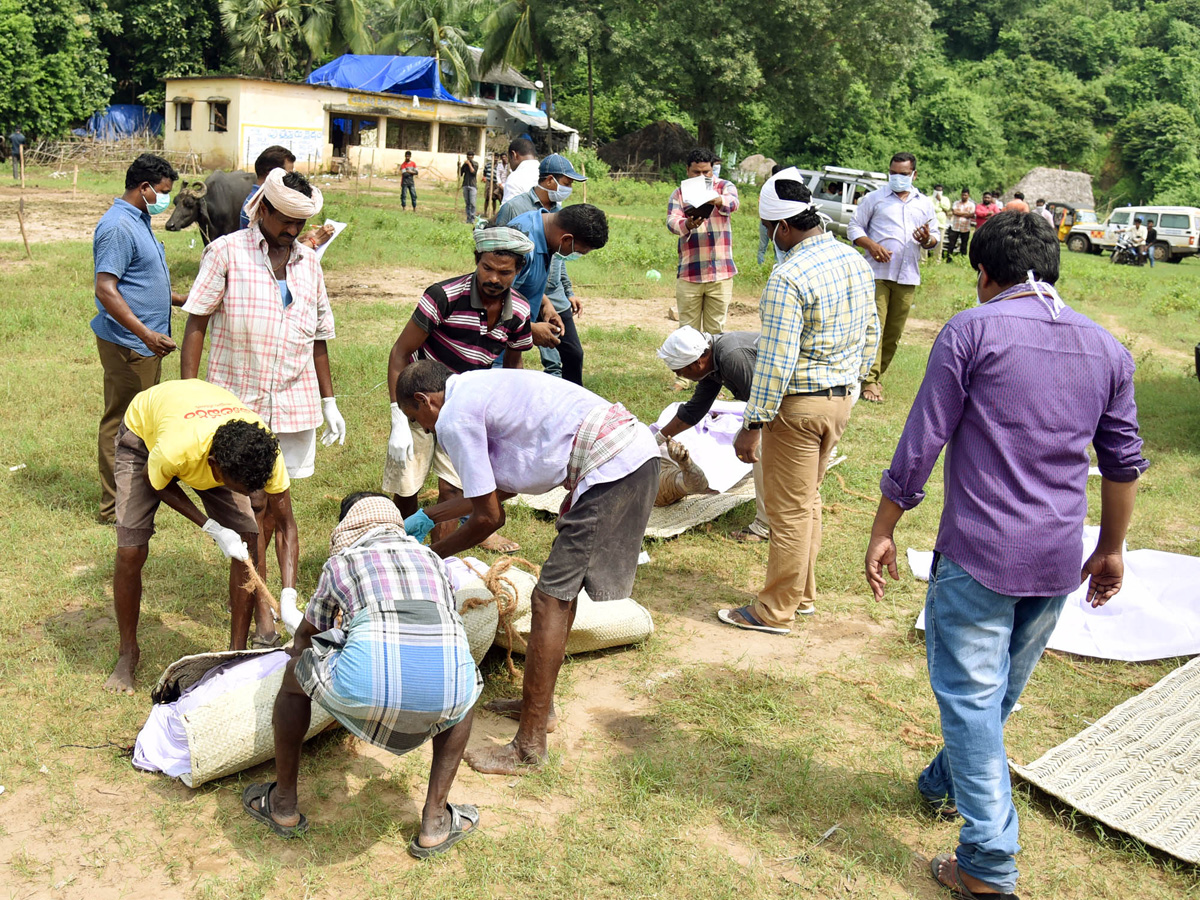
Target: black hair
{"type": "Point", "coordinates": [1011, 243]}
{"type": "Point", "coordinates": [702, 155]}
{"type": "Point", "coordinates": [351, 499]}
{"type": "Point", "coordinates": [1018, 195]}
{"type": "Point", "coordinates": [1137, 219]}
{"type": "Point", "coordinates": [294, 181]}
{"type": "Point", "coordinates": [903, 157]}
{"type": "Point", "coordinates": [1039, 200]}
{"type": "Point", "coordinates": [796, 190]}
{"type": "Point", "coordinates": [586, 223]}
{"type": "Point", "coordinates": [407, 154]}
{"type": "Point", "coordinates": [425, 376]}
{"type": "Point", "coordinates": [274, 157]}
{"type": "Point", "coordinates": [516, 257]}
{"type": "Point", "coordinates": [246, 452]}
{"type": "Point", "coordinates": [148, 168]}
{"type": "Point", "coordinates": [522, 147]}
{"type": "Point", "coordinates": [938, 186]}
{"type": "Point", "coordinates": [966, 191]}
{"type": "Point", "coordinates": [777, 168]}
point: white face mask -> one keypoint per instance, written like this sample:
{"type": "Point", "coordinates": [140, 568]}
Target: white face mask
{"type": "Point", "coordinates": [561, 192]}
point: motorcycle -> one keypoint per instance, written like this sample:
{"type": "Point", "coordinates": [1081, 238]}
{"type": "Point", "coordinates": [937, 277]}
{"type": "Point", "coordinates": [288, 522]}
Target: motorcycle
{"type": "Point", "coordinates": [1126, 253]}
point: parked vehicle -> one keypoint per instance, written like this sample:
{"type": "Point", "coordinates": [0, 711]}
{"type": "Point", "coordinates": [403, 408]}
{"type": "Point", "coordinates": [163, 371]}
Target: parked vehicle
{"type": "Point", "coordinates": [1178, 230]}
{"type": "Point", "coordinates": [836, 191]}
{"type": "Point", "coordinates": [1126, 253]}
{"type": "Point", "coordinates": [1067, 216]}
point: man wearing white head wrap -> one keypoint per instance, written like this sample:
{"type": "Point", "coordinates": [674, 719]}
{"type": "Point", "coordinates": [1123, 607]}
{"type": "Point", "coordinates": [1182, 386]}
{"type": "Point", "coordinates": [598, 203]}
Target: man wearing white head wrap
{"type": "Point", "coordinates": [265, 294]}
{"type": "Point", "coordinates": [819, 332]}
{"type": "Point", "coordinates": [714, 362]}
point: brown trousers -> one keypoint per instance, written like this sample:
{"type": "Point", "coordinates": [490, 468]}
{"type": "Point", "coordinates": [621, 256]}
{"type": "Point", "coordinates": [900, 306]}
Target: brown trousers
{"type": "Point", "coordinates": [126, 374]}
{"type": "Point", "coordinates": [796, 447]}
{"type": "Point", "coordinates": [893, 302]}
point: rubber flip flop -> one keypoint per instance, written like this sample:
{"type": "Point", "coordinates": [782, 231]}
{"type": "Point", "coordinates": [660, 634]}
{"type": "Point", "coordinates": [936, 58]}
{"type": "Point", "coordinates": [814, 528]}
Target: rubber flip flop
{"type": "Point", "coordinates": [262, 794]}
{"type": "Point", "coordinates": [458, 814]}
{"type": "Point", "coordinates": [958, 889]}
{"type": "Point", "coordinates": [748, 621]}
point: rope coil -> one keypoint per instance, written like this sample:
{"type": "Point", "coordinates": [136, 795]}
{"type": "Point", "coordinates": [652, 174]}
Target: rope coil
{"type": "Point", "coordinates": [505, 596]}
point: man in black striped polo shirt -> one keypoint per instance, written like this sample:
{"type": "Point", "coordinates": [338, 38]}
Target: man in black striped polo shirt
{"type": "Point", "coordinates": [465, 323]}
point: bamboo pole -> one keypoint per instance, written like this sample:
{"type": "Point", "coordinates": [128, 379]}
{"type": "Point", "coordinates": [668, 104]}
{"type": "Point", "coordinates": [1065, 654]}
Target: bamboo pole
{"type": "Point", "coordinates": [21, 154]}
{"type": "Point", "coordinates": [583, 172]}
{"type": "Point", "coordinates": [21, 222]}
{"type": "Point", "coordinates": [74, 182]}
{"type": "Point", "coordinates": [371, 173]}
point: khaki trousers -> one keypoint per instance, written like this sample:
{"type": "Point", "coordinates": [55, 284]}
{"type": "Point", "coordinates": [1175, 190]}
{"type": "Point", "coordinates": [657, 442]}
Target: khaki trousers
{"type": "Point", "coordinates": [796, 446]}
{"type": "Point", "coordinates": [892, 301]}
{"type": "Point", "coordinates": [703, 305]}
{"type": "Point", "coordinates": [760, 525]}
{"type": "Point", "coordinates": [126, 374]}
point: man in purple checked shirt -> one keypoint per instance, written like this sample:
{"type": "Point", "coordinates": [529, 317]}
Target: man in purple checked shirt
{"type": "Point", "coordinates": [1015, 390]}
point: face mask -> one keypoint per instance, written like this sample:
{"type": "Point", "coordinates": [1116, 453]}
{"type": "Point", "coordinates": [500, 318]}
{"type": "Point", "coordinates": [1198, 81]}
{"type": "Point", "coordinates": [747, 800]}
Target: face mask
{"type": "Point", "coordinates": [708, 182]}
{"type": "Point", "coordinates": [775, 231]}
{"type": "Point", "coordinates": [561, 192]}
{"type": "Point", "coordinates": [567, 257]}
{"type": "Point", "coordinates": [900, 184]}
{"type": "Point", "coordinates": [160, 204]}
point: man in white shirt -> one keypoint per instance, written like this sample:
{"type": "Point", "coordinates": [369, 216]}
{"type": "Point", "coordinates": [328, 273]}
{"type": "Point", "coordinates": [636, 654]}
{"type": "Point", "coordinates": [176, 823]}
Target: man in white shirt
{"type": "Point", "coordinates": [522, 156]}
{"type": "Point", "coordinates": [893, 224]}
{"type": "Point", "coordinates": [512, 431]}
{"type": "Point", "coordinates": [1042, 210]}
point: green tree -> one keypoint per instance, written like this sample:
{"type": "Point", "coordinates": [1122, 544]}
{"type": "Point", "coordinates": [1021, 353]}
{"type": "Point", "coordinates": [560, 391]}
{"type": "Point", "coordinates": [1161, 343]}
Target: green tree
{"type": "Point", "coordinates": [512, 37]}
{"type": "Point", "coordinates": [1158, 144]}
{"type": "Point", "coordinates": [286, 39]}
{"type": "Point", "coordinates": [52, 72]}
{"type": "Point", "coordinates": [436, 28]}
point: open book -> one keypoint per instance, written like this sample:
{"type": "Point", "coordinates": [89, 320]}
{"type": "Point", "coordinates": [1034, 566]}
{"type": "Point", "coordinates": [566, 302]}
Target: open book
{"type": "Point", "coordinates": [697, 197]}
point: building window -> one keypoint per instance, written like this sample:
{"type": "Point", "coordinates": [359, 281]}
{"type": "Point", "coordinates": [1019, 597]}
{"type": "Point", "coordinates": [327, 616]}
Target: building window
{"type": "Point", "coordinates": [527, 97]}
{"type": "Point", "coordinates": [183, 116]}
{"type": "Point", "coordinates": [458, 138]}
{"type": "Point", "coordinates": [487, 91]}
{"type": "Point", "coordinates": [218, 116]}
{"type": "Point", "coordinates": [508, 94]}
{"type": "Point", "coordinates": [403, 134]}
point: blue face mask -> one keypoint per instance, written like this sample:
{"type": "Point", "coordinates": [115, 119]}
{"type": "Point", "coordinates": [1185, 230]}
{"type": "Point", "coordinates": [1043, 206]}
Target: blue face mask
{"type": "Point", "coordinates": [567, 257]}
{"type": "Point", "coordinates": [900, 184]}
{"type": "Point", "coordinates": [160, 204]}
{"type": "Point", "coordinates": [561, 192]}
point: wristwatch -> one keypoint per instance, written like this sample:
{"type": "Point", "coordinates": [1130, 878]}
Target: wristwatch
{"type": "Point", "coordinates": [753, 426]}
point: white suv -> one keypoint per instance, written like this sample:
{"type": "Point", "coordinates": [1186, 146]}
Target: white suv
{"type": "Point", "coordinates": [1178, 229]}
{"type": "Point", "coordinates": [836, 191]}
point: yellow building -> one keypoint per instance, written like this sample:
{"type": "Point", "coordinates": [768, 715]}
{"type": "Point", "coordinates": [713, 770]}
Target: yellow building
{"type": "Point", "coordinates": [227, 121]}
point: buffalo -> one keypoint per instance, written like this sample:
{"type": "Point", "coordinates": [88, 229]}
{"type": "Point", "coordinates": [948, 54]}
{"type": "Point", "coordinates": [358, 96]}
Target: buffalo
{"type": "Point", "coordinates": [214, 204]}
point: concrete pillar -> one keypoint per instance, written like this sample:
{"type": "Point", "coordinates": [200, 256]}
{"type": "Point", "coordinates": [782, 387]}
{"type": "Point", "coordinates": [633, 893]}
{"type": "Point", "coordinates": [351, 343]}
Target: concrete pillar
{"type": "Point", "coordinates": [433, 136]}
{"type": "Point", "coordinates": [482, 151]}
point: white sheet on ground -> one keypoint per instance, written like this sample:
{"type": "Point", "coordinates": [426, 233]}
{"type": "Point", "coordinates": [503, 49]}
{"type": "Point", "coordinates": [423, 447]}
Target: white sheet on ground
{"type": "Point", "coordinates": [710, 442]}
{"type": "Point", "coordinates": [1156, 615]}
{"type": "Point", "coordinates": [162, 744]}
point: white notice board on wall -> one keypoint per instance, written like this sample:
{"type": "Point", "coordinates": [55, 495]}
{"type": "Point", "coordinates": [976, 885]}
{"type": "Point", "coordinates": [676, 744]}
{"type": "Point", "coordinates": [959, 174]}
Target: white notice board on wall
{"type": "Point", "coordinates": [306, 143]}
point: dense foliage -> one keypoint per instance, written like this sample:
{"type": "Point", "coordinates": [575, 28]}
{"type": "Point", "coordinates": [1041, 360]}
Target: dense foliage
{"type": "Point", "coordinates": [981, 90]}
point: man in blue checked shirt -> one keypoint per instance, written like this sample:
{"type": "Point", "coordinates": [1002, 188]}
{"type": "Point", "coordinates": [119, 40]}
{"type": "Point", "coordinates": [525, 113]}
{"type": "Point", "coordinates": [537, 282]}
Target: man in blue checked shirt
{"type": "Point", "coordinates": [133, 303]}
{"type": "Point", "coordinates": [819, 335]}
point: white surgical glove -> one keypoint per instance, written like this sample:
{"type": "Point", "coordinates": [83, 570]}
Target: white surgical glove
{"type": "Point", "coordinates": [335, 425]}
{"type": "Point", "coordinates": [400, 444]}
{"type": "Point", "coordinates": [288, 611]}
{"type": "Point", "coordinates": [227, 539]}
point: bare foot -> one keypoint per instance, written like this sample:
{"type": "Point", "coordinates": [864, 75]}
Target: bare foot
{"type": "Point", "coordinates": [499, 544]}
{"type": "Point", "coordinates": [511, 709]}
{"type": "Point", "coordinates": [506, 760]}
{"type": "Point", "coordinates": [872, 393]}
{"type": "Point", "coordinates": [951, 876]}
{"type": "Point", "coordinates": [121, 680]}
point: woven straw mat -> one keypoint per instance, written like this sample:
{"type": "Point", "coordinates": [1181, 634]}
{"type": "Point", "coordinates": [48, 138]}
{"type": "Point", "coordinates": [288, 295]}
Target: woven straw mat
{"type": "Point", "coordinates": [666, 521]}
{"type": "Point", "coordinates": [1137, 770]}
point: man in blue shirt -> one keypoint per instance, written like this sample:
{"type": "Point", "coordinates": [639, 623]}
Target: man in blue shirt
{"type": "Point", "coordinates": [16, 141]}
{"type": "Point", "coordinates": [567, 234]}
{"type": "Point", "coordinates": [133, 303]}
{"type": "Point", "coordinates": [557, 177]}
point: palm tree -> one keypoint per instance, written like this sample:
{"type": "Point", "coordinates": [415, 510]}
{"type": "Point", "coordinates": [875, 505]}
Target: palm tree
{"type": "Point", "coordinates": [333, 27]}
{"type": "Point", "coordinates": [513, 39]}
{"type": "Point", "coordinates": [264, 35]}
{"type": "Point", "coordinates": [431, 28]}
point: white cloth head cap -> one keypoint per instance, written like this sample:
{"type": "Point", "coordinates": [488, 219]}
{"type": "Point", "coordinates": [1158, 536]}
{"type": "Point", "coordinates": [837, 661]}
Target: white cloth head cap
{"type": "Point", "coordinates": [684, 347]}
{"type": "Point", "coordinates": [770, 207]}
{"type": "Point", "coordinates": [286, 201]}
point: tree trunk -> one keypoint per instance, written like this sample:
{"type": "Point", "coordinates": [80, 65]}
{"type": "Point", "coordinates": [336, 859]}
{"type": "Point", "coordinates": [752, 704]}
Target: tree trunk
{"type": "Point", "coordinates": [542, 73]}
{"type": "Point", "coordinates": [704, 133]}
{"type": "Point", "coordinates": [591, 103]}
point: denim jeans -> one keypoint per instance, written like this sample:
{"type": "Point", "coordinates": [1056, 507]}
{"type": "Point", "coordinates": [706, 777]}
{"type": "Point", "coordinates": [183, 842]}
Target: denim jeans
{"type": "Point", "coordinates": [408, 190]}
{"type": "Point", "coordinates": [981, 648]}
{"type": "Point", "coordinates": [764, 241]}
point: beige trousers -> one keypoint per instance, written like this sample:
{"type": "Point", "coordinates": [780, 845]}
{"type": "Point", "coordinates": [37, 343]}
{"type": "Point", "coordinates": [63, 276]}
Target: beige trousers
{"type": "Point", "coordinates": [704, 305]}
{"type": "Point", "coordinates": [795, 451]}
{"type": "Point", "coordinates": [126, 374]}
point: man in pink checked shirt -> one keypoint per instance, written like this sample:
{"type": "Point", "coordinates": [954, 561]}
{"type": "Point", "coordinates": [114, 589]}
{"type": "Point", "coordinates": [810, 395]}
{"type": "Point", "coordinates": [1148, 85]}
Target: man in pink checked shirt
{"type": "Point", "coordinates": [704, 286]}
{"type": "Point", "coordinates": [265, 293]}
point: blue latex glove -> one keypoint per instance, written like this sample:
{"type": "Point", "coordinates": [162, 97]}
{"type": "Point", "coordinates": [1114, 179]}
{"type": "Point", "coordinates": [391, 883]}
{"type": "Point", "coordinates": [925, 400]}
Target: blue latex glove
{"type": "Point", "coordinates": [418, 525]}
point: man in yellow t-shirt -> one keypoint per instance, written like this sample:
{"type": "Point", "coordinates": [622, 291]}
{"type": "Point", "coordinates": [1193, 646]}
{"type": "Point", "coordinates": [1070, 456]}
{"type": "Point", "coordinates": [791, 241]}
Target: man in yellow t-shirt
{"type": "Point", "coordinates": [200, 435]}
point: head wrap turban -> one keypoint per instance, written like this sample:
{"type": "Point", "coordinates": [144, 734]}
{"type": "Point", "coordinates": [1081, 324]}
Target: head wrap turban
{"type": "Point", "coordinates": [489, 240]}
{"type": "Point", "coordinates": [285, 201]}
{"type": "Point", "coordinates": [684, 347]}
{"type": "Point", "coordinates": [770, 207]}
{"type": "Point", "coordinates": [365, 516]}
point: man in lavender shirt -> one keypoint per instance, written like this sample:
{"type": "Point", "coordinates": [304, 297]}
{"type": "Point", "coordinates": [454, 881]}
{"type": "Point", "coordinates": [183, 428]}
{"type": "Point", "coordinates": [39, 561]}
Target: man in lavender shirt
{"type": "Point", "coordinates": [1015, 390]}
{"type": "Point", "coordinates": [893, 224]}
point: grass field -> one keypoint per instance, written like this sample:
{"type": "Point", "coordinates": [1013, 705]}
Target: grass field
{"type": "Point", "coordinates": [705, 763]}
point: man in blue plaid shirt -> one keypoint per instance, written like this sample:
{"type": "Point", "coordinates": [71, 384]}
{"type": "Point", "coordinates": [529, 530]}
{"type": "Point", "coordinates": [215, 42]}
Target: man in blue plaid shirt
{"type": "Point", "coordinates": [819, 335]}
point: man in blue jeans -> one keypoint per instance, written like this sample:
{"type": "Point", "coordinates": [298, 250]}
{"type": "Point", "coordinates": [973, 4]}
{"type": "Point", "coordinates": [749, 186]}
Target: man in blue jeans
{"type": "Point", "coordinates": [1015, 390]}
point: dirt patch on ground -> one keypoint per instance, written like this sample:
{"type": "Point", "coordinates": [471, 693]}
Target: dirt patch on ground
{"type": "Point", "coordinates": [381, 285]}
{"type": "Point", "coordinates": [53, 215]}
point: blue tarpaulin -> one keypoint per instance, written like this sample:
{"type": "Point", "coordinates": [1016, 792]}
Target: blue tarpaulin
{"type": "Point", "coordinates": [123, 119]}
{"type": "Point", "coordinates": [416, 76]}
